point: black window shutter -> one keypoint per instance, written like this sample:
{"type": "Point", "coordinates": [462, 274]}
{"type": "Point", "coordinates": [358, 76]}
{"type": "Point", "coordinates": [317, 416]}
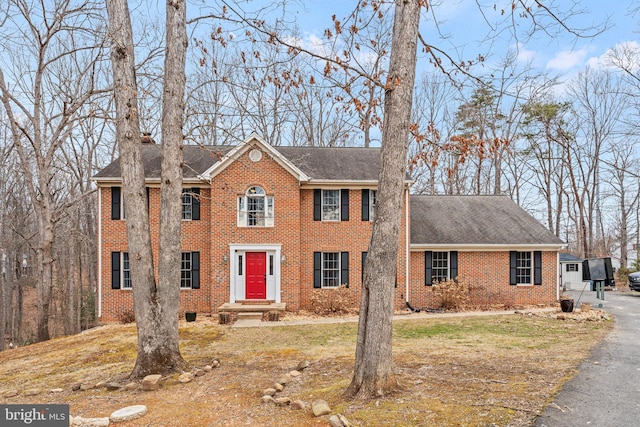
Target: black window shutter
{"type": "Point", "coordinates": [195, 270]}
{"type": "Point", "coordinates": [512, 268]}
{"type": "Point", "coordinates": [148, 190]}
{"type": "Point", "coordinates": [428, 268]}
{"type": "Point", "coordinates": [344, 205]}
{"type": "Point", "coordinates": [195, 203]}
{"type": "Point", "coordinates": [453, 266]}
{"type": "Point", "coordinates": [537, 268]}
{"type": "Point", "coordinates": [344, 268]}
{"type": "Point", "coordinates": [567, 267]}
{"type": "Point", "coordinates": [115, 202]}
{"type": "Point", "coordinates": [317, 204]}
{"type": "Point", "coordinates": [115, 270]}
{"type": "Point", "coordinates": [365, 205]}
{"type": "Point", "coordinates": [317, 270]}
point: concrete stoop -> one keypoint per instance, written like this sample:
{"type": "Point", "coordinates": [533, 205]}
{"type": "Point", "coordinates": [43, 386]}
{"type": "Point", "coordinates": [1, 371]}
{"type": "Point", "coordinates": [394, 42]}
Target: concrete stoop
{"type": "Point", "coordinates": [248, 319]}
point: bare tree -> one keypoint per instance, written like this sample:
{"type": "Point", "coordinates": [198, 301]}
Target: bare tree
{"type": "Point", "coordinates": [57, 53]}
{"type": "Point", "coordinates": [156, 303]}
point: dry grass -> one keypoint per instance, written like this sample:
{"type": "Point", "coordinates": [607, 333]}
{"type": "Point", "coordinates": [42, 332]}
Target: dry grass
{"type": "Point", "coordinates": [468, 371]}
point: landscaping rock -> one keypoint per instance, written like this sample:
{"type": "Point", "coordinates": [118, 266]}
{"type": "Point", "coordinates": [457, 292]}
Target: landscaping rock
{"type": "Point", "coordinates": [75, 387]}
{"type": "Point", "coordinates": [267, 398]}
{"type": "Point", "coordinates": [88, 422]}
{"type": "Point", "coordinates": [278, 387]}
{"type": "Point", "coordinates": [334, 421]}
{"type": "Point", "coordinates": [131, 386]}
{"type": "Point", "coordinates": [187, 377]}
{"type": "Point", "coordinates": [31, 392]}
{"type": "Point", "coordinates": [302, 365]}
{"type": "Point", "coordinates": [282, 401]}
{"type": "Point", "coordinates": [269, 391]}
{"type": "Point", "coordinates": [207, 368]}
{"type": "Point", "coordinates": [198, 372]}
{"type": "Point", "coordinates": [87, 386]}
{"type": "Point", "coordinates": [284, 379]}
{"type": "Point", "coordinates": [320, 407]}
{"type": "Point", "coordinates": [56, 390]}
{"type": "Point", "coordinates": [101, 384]}
{"type": "Point", "coordinates": [298, 404]}
{"type": "Point", "coordinates": [129, 413]}
{"type": "Point", "coordinates": [113, 386]}
{"type": "Point", "coordinates": [151, 382]}
{"type": "Point", "coordinates": [11, 393]}
{"type": "Point", "coordinates": [294, 374]}
{"type": "Point", "coordinates": [561, 317]}
{"type": "Point", "coordinates": [345, 421]}
{"type": "Point", "coordinates": [215, 363]}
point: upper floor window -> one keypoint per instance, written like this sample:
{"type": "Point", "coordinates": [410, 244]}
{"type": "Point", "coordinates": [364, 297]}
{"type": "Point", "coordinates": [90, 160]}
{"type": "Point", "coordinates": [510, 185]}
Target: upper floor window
{"type": "Point", "coordinates": [191, 203]}
{"type": "Point", "coordinates": [330, 205]}
{"type": "Point", "coordinates": [117, 203]}
{"type": "Point", "coordinates": [255, 208]}
{"type": "Point", "coordinates": [368, 204]}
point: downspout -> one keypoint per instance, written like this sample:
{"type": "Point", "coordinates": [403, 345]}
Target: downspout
{"type": "Point", "coordinates": [407, 235]}
{"type": "Point", "coordinates": [99, 252]}
{"type": "Point", "coordinates": [558, 276]}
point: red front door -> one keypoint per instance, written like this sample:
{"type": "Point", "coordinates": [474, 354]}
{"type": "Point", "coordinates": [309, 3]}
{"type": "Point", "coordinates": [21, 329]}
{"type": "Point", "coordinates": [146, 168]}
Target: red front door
{"type": "Point", "coordinates": [256, 283]}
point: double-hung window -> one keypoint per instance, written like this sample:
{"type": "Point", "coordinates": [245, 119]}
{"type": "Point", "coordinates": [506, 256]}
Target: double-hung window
{"type": "Point", "coordinates": [525, 268]}
{"type": "Point", "coordinates": [368, 204]}
{"type": "Point", "coordinates": [190, 270]}
{"type": "Point", "coordinates": [330, 269]}
{"type": "Point", "coordinates": [440, 266]}
{"type": "Point", "coordinates": [190, 203]}
{"type": "Point", "coordinates": [120, 270]}
{"type": "Point", "coordinates": [255, 208]}
{"type": "Point", "coordinates": [331, 205]}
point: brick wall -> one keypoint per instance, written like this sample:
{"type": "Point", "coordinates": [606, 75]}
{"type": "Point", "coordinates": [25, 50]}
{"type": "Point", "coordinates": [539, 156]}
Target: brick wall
{"type": "Point", "coordinates": [195, 237]}
{"type": "Point", "coordinates": [487, 274]}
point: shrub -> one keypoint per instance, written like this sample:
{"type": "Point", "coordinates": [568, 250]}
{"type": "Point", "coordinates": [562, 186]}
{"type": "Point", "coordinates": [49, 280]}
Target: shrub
{"type": "Point", "coordinates": [453, 295]}
{"type": "Point", "coordinates": [332, 301]}
{"type": "Point", "coordinates": [127, 316]}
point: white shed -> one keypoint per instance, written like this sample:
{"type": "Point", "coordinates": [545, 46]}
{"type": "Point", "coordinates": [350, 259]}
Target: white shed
{"type": "Point", "coordinates": [571, 273]}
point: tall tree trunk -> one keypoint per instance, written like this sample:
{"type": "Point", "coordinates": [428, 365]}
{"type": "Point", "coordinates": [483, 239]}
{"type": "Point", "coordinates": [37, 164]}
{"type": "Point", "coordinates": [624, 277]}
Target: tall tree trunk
{"type": "Point", "coordinates": [373, 371]}
{"type": "Point", "coordinates": [156, 313]}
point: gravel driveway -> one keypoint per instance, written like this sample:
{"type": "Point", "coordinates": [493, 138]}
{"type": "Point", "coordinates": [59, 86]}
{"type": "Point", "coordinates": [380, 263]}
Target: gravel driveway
{"type": "Point", "coordinates": [604, 392]}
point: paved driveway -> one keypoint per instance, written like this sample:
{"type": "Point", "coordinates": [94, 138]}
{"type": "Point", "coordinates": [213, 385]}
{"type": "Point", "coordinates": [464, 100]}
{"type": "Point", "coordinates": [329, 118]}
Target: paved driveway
{"type": "Point", "coordinates": [606, 390]}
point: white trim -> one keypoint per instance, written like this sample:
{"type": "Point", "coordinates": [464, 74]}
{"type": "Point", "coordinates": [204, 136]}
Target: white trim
{"type": "Point", "coordinates": [99, 252]}
{"type": "Point", "coordinates": [345, 183]}
{"type": "Point", "coordinates": [250, 143]}
{"type": "Point", "coordinates": [558, 276]}
{"type": "Point", "coordinates": [484, 248]}
{"type": "Point", "coordinates": [275, 249]}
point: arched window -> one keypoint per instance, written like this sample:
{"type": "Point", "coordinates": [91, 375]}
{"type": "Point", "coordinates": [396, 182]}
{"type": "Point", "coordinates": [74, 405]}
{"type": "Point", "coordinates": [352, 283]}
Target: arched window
{"type": "Point", "coordinates": [255, 208]}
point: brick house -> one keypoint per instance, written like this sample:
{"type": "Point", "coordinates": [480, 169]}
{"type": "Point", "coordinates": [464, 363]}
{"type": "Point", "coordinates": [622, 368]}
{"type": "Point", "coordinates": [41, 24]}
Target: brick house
{"type": "Point", "coordinates": [276, 223]}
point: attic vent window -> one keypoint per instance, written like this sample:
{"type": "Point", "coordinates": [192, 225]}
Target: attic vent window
{"type": "Point", "coordinates": [255, 155]}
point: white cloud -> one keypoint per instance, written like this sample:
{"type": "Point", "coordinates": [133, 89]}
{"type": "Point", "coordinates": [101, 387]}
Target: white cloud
{"type": "Point", "coordinates": [525, 55]}
{"type": "Point", "coordinates": [567, 59]}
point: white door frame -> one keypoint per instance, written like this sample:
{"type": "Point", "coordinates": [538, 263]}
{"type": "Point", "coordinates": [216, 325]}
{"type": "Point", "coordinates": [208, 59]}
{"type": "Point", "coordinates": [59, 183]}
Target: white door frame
{"type": "Point", "coordinates": [237, 285]}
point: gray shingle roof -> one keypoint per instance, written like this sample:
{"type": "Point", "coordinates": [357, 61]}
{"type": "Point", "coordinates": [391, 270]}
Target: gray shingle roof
{"type": "Point", "coordinates": [320, 163]}
{"type": "Point", "coordinates": [567, 257]}
{"type": "Point", "coordinates": [197, 159]}
{"type": "Point", "coordinates": [474, 220]}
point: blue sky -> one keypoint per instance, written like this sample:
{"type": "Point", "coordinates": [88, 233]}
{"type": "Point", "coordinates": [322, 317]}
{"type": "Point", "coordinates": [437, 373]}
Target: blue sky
{"type": "Point", "coordinates": [460, 20]}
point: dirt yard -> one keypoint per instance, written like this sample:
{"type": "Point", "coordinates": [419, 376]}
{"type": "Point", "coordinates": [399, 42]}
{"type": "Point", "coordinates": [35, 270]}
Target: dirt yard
{"type": "Point", "coordinates": [454, 371]}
